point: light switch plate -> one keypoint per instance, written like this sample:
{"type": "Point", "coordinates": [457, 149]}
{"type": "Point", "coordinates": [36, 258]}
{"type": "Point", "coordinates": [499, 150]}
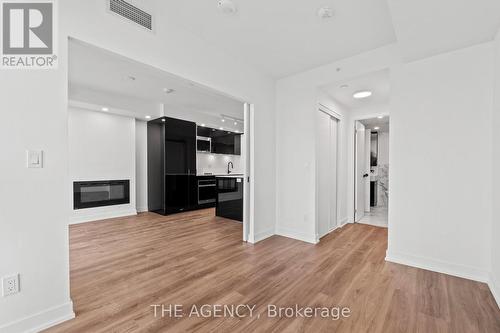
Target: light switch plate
{"type": "Point", "coordinates": [34, 158]}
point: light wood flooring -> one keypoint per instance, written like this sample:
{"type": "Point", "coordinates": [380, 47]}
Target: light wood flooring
{"type": "Point", "coordinates": [120, 267]}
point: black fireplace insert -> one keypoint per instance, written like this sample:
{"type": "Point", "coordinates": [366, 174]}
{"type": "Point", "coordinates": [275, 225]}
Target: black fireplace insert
{"type": "Point", "coordinates": [100, 193]}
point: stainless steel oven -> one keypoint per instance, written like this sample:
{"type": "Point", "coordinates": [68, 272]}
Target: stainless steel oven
{"type": "Point", "coordinates": [206, 190]}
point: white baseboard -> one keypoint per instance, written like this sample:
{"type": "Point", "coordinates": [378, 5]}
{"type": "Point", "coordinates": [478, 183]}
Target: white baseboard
{"type": "Point", "coordinates": [290, 233]}
{"type": "Point", "coordinates": [494, 285]}
{"type": "Point", "coordinates": [142, 209]}
{"type": "Point", "coordinates": [461, 271]}
{"type": "Point", "coordinates": [42, 320]}
{"type": "Point", "coordinates": [259, 236]}
{"type": "Point", "coordinates": [344, 221]}
{"type": "Point", "coordinates": [82, 217]}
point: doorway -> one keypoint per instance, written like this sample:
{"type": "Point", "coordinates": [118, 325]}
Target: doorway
{"type": "Point", "coordinates": [109, 90]}
{"type": "Point", "coordinates": [371, 185]}
{"type": "Point", "coordinates": [327, 134]}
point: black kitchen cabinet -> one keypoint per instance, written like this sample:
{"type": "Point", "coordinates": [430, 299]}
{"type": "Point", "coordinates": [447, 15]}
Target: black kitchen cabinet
{"type": "Point", "coordinates": [180, 146]}
{"type": "Point", "coordinates": [172, 183]}
{"type": "Point", "coordinates": [222, 142]}
{"type": "Point", "coordinates": [229, 202]}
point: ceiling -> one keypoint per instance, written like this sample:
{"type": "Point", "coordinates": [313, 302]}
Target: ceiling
{"type": "Point", "coordinates": [282, 37]}
{"type": "Point", "coordinates": [377, 82]}
{"type": "Point", "coordinates": [98, 78]}
{"type": "Point", "coordinates": [382, 124]}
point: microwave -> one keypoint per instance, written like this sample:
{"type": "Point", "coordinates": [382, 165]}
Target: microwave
{"type": "Point", "coordinates": [203, 144]}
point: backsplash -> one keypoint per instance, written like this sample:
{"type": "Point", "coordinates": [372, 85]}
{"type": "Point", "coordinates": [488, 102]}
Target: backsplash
{"type": "Point", "coordinates": [217, 163]}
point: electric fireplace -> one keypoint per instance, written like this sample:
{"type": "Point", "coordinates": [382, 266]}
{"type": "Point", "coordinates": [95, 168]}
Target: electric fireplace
{"type": "Point", "coordinates": [100, 193]}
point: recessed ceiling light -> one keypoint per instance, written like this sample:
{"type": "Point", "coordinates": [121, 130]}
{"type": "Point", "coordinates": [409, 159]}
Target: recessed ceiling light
{"type": "Point", "coordinates": [235, 123]}
{"type": "Point", "coordinates": [325, 12]}
{"type": "Point", "coordinates": [380, 117]}
{"type": "Point", "coordinates": [227, 6]}
{"type": "Point", "coordinates": [376, 128]}
{"type": "Point", "coordinates": [223, 120]}
{"type": "Point", "coordinates": [168, 90]}
{"type": "Point", "coordinates": [105, 109]}
{"type": "Point", "coordinates": [221, 128]}
{"type": "Point", "coordinates": [202, 125]}
{"type": "Point", "coordinates": [237, 131]}
{"type": "Point", "coordinates": [362, 94]}
{"type": "Point", "coordinates": [344, 86]}
{"type": "Point", "coordinates": [148, 117]}
{"type": "Point", "coordinates": [163, 120]}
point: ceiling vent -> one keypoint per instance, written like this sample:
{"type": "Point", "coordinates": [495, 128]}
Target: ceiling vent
{"type": "Point", "coordinates": [132, 13]}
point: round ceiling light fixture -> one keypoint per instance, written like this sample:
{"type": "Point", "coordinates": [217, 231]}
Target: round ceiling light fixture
{"type": "Point", "coordinates": [344, 86]}
{"type": "Point", "coordinates": [380, 117]}
{"type": "Point", "coordinates": [325, 12]}
{"type": "Point", "coordinates": [148, 117]}
{"type": "Point", "coordinates": [227, 6]}
{"type": "Point", "coordinates": [376, 128]}
{"type": "Point", "coordinates": [362, 94]}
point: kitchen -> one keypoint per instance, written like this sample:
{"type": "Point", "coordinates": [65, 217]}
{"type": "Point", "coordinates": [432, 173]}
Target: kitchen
{"type": "Point", "coordinates": [192, 166]}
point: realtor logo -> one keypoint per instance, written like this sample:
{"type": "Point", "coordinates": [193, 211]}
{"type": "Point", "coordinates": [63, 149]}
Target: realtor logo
{"type": "Point", "coordinates": [28, 34]}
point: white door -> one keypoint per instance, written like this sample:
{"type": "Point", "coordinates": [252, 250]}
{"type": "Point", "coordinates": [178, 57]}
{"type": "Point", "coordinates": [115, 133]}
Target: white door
{"type": "Point", "coordinates": [360, 172]}
{"type": "Point", "coordinates": [368, 140]}
{"type": "Point", "coordinates": [247, 156]}
{"type": "Point", "coordinates": [334, 123]}
{"type": "Point", "coordinates": [326, 182]}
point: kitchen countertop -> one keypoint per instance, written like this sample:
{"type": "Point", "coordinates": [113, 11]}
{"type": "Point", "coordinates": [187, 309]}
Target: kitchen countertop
{"type": "Point", "coordinates": [221, 175]}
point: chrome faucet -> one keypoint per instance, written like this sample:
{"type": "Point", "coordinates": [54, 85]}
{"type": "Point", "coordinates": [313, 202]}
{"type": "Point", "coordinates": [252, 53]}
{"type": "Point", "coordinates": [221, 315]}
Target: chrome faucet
{"type": "Point", "coordinates": [232, 167]}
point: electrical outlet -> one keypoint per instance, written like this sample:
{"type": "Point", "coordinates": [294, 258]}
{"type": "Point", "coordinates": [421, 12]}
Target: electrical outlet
{"type": "Point", "coordinates": [10, 285]}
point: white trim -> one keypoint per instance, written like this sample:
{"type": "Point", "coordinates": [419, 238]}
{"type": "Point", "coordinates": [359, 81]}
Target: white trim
{"type": "Point", "coordinates": [329, 111]}
{"type": "Point", "coordinates": [96, 216]}
{"type": "Point", "coordinates": [142, 209]}
{"type": "Point", "coordinates": [290, 233]}
{"type": "Point", "coordinates": [344, 221]}
{"type": "Point", "coordinates": [41, 320]}
{"type": "Point", "coordinates": [461, 271]}
{"type": "Point", "coordinates": [260, 236]}
{"type": "Point", "coordinates": [495, 288]}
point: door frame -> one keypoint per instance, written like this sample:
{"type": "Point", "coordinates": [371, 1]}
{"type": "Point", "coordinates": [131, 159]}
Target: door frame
{"type": "Point", "coordinates": [353, 155]}
{"type": "Point", "coordinates": [248, 152]}
{"type": "Point", "coordinates": [339, 118]}
{"type": "Point", "coordinates": [248, 235]}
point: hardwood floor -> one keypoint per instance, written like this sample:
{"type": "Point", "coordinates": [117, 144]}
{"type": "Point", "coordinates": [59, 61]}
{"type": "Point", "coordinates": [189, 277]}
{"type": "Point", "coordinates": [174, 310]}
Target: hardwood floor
{"type": "Point", "coordinates": [120, 267]}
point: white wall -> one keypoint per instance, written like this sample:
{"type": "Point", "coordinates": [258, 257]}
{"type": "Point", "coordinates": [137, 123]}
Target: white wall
{"type": "Point", "coordinates": [495, 234]}
{"type": "Point", "coordinates": [383, 148]}
{"type": "Point", "coordinates": [101, 147]}
{"type": "Point", "coordinates": [141, 165]}
{"type": "Point", "coordinates": [35, 202]}
{"type": "Point", "coordinates": [217, 163]}
{"type": "Point", "coordinates": [440, 209]}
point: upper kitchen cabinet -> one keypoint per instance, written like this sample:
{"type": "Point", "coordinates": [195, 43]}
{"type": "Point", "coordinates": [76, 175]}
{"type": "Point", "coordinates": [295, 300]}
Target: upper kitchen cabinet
{"type": "Point", "coordinates": [218, 141]}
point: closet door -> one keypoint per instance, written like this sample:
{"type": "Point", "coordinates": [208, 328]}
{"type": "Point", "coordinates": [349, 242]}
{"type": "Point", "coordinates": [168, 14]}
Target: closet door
{"type": "Point", "coordinates": [333, 172]}
{"type": "Point", "coordinates": [326, 182]}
